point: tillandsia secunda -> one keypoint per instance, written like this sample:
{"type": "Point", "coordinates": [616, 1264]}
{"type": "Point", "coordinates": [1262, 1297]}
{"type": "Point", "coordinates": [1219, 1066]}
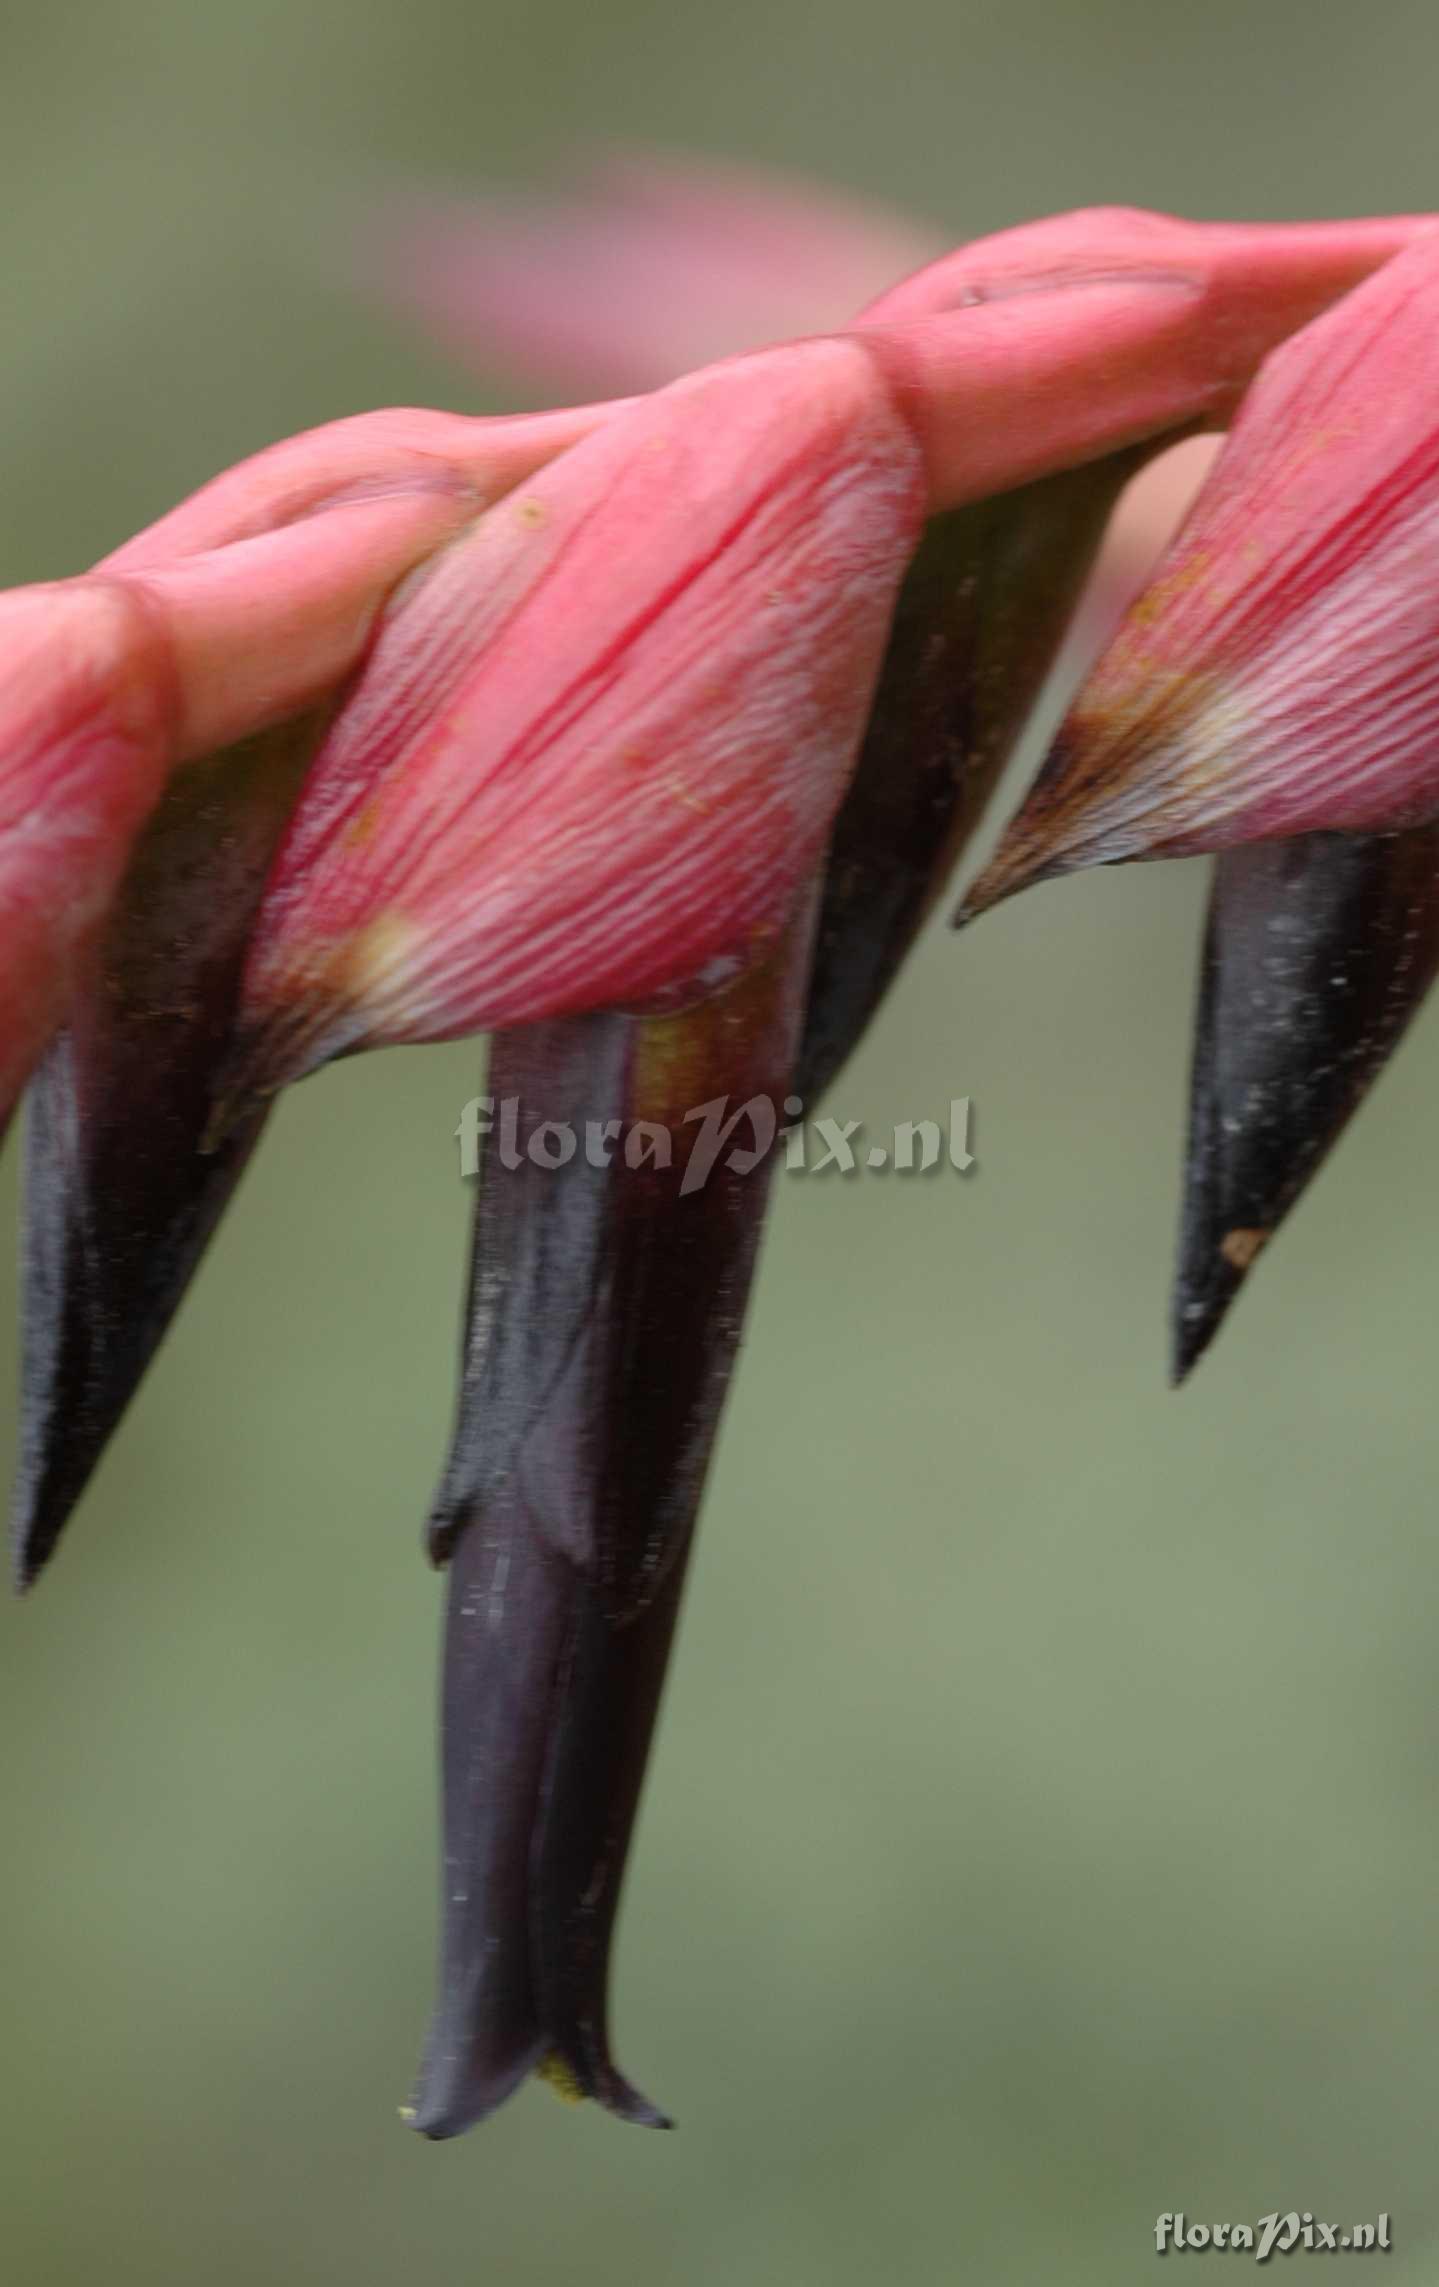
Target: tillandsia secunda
{"type": "Point", "coordinates": [644, 735]}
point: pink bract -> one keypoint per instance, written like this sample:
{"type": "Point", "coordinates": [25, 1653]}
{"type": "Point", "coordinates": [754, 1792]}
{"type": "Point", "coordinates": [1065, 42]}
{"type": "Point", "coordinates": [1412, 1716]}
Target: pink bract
{"type": "Point", "coordinates": [1281, 673]}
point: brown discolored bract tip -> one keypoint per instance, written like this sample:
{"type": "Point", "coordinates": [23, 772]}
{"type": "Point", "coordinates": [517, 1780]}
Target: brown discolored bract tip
{"type": "Point", "coordinates": [1013, 867]}
{"type": "Point", "coordinates": [1115, 786]}
{"type": "Point", "coordinates": [1038, 844]}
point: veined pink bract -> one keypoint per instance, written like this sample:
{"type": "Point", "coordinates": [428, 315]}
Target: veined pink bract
{"type": "Point", "coordinates": [598, 746]}
{"type": "Point", "coordinates": [1281, 672]}
{"type": "Point", "coordinates": [88, 702]}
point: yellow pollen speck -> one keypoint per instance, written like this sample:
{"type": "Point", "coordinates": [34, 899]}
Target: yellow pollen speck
{"type": "Point", "coordinates": [377, 949]}
{"type": "Point", "coordinates": [686, 794]}
{"type": "Point", "coordinates": [362, 826]}
{"type": "Point", "coordinates": [562, 2078]}
{"type": "Point", "coordinates": [1239, 1248]}
{"type": "Point", "coordinates": [532, 512]}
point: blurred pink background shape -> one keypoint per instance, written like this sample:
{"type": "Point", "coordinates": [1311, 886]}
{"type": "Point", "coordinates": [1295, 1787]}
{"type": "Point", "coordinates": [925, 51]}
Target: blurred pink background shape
{"type": "Point", "coordinates": [655, 263]}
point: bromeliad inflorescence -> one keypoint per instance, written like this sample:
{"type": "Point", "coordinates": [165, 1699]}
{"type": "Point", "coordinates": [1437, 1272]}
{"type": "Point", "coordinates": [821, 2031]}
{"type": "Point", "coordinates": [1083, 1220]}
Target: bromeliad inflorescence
{"type": "Point", "coordinates": [645, 736]}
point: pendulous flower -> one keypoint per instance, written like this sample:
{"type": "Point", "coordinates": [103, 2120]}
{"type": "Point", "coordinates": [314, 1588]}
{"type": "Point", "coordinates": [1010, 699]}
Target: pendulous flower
{"type": "Point", "coordinates": [607, 1298]}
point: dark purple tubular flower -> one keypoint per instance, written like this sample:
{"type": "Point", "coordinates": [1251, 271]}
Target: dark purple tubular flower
{"type": "Point", "coordinates": [1317, 952]}
{"type": "Point", "coordinates": [606, 1302]}
{"type": "Point", "coordinates": [120, 1199]}
{"type": "Point", "coordinates": [982, 613]}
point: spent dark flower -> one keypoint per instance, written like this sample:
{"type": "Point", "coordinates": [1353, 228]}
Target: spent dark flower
{"type": "Point", "coordinates": [1317, 952]}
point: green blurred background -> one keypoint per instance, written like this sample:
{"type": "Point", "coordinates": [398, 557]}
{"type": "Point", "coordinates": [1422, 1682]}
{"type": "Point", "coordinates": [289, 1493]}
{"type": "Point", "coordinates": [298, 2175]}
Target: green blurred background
{"type": "Point", "coordinates": [1044, 1831]}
